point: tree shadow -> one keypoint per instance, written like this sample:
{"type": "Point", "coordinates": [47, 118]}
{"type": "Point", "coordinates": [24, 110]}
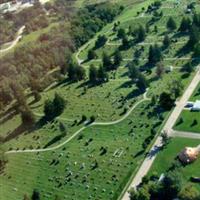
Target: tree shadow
{"type": "Point", "coordinates": [8, 116]}
{"type": "Point", "coordinates": [135, 93]}
{"type": "Point", "coordinates": [15, 133]}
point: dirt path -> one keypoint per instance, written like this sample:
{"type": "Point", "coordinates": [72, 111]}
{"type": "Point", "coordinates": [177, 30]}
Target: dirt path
{"type": "Point", "coordinates": [15, 41]}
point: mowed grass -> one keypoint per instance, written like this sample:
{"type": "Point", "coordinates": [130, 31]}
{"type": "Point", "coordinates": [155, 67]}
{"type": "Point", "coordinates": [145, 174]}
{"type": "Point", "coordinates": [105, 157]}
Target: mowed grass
{"type": "Point", "coordinates": [70, 167]}
{"type": "Point", "coordinates": [188, 123]}
{"type": "Point", "coordinates": [196, 94]}
{"type": "Point", "coordinates": [166, 157]}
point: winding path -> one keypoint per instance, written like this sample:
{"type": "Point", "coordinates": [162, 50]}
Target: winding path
{"type": "Point", "coordinates": [15, 41]}
{"type": "Point", "coordinates": [145, 98]}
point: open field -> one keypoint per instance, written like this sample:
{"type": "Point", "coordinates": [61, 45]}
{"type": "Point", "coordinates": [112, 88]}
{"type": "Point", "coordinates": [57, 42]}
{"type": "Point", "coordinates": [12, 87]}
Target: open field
{"type": "Point", "coordinates": [165, 159]}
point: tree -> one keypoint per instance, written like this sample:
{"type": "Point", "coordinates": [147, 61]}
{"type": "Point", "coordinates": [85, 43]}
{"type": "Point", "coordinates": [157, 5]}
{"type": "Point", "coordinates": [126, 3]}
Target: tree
{"type": "Point", "coordinates": [194, 37]}
{"type": "Point", "coordinates": [165, 138]}
{"type": "Point", "coordinates": [133, 71]}
{"type": "Point", "coordinates": [101, 41]}
{"type": "Point", "coordinates": [76, 72]}
{"type": "Point", "coordinates": [102, 74]}
{"type": "Point", "coordinates": [93, 74]}
{"type": "Point", "coordinates": [171, 24]}
{"type": "Point", "coordinates": [189, 192]}
{"type": "Point", "coordinates": [117, 58]}
{"type": "Point", "coordinates": [125, 43]}
{"type": "Point", "coordinates": [107, 63]}
{"type": "Point", "coordinates": [35, 195]}
{"type": "Point", "coordinates": [48, 109]}
{"type": "Point", "coordinates": [91, 54]}
{"type": "Point", "coordinates": [121, 33]}
{"type": "Point", "coordinates": [188, 67]}
{"type": "Point", "coordinates": [155, 54]}
{"type": "Point", "coordinates": [141, 34]}
{"type": "Point", "coordinates": [196, 19]}
{"type": "Point", "coordinates": [36, 88]}
{"type": "Point", "coordinates": [185, 24]}
{"type": "Point", "coordinates": [172, 184]}
{"type": "Point", "coordinates": [166, 41]}
{"type": "Point", "coordinates": [142, 83]}
{"type": "Point", "coordinates": [166, 101]}
{"type": "Point", "coordinates": [197, 50]}
{"type": "Point", "coordinates": [27, 116]}
{"type": "Point", "coordinates": [80, 73]}
{"type": "Point", "coordinates": [175, 88]}
{"type": "Point", "coordinates": [18, 94]}
{"type": "Point", "coordinates": [59, 104]}
{"type": "Point", "coordinates": [160, 69]}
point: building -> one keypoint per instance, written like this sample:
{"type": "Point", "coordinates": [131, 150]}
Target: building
{"type": "Point", "coordinates": [189, 154]}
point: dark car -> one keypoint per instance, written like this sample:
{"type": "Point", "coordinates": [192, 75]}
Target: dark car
{"type": "Point", "coordinates": [195, 179]}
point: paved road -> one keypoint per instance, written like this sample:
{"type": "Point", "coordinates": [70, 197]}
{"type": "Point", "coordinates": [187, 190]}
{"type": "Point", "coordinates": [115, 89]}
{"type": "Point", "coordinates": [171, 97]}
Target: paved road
{"type": "Point", "coordinates": [15, 41]}
{"type": "Point", "coordinates": [147, 163]}
{"type": "Point", "coordinates": [184, 134]}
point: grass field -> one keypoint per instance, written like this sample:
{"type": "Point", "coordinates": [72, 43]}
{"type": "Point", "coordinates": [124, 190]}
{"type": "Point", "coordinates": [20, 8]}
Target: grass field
{"type": "Point", "coordinates": [169, 154]}
{"type": "Point", "coordinates": [74, 162]}
{"type": "Point", "coordinates": [99, 161]}
{"type": "Point", "coordinates": [188, 123]}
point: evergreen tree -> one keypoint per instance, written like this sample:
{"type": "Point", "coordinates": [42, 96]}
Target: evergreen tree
{"type": "Point", "coordinates": [133, 71]}
{"type": "Point", "coordinates": [194, 37]}
{"type": "Point", "coordinates": [101, 41]}
{"type": "Point", "coordinates": [196, 20]}
{"type": "Point", "coordinates": [166, 41]}
{"type": "Point", "coordinates": [102, 74]}
{"type": "Point", "coordinates": [80, 72]}
{"type": "Point", "coordinates": [93, 74]}
{"type": "Point", "coordinates": [166, 101]}
{"type": "Point", "coordinates": [141, 34]}
{"type": "Point", "coordinates": [121, 33]}
{"type": "Point", "coordinates": [171, 24]}
{"type": "Point", "coordinates": [59, 104]}
{"type": "Point", "coordinates": [91, 54]}
{"type": "Point", "coordinates": [197, 50]}
{"type": "Point", "coordinates": [49, 109]}
{"type": "Point", "coordinates": [125, 43]}
{"type": "Point", "coordinates": [117, 58]}
{"type": "Point", "coordinates": [185, 24]}
{"type": "Point", "coordinates": [188, 67]}
{"type": "Point", "coordinates": [142, 83]}
{"type": "Point", "coordinates": [155, 54]}
{"type": "Point", "coordinates": [107, 63]}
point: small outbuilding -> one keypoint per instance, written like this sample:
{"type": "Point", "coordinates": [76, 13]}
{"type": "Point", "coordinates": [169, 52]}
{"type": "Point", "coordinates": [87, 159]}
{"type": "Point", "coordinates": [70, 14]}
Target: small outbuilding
{"type": "Point", "coordinates": [189, 154]}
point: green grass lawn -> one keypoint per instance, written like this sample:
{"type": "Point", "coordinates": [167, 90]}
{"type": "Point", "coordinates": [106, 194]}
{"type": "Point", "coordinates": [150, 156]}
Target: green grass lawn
{"type": "Point", "coordinates": [68, 171]}
{"type": "Point", "coordinates": [188, 123]}
{"type": "Point", "coordinates": [75, 160]}
{"type": "Point", "coordinates": [196, 95]}
{"type": "Point", "coordinates": [169, 154]}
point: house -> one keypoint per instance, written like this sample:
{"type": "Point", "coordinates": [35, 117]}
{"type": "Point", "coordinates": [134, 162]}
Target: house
{"type": "Point", "coordinates": [189, 154]}
{"type": "Point", "coordinates": [196, 106]}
